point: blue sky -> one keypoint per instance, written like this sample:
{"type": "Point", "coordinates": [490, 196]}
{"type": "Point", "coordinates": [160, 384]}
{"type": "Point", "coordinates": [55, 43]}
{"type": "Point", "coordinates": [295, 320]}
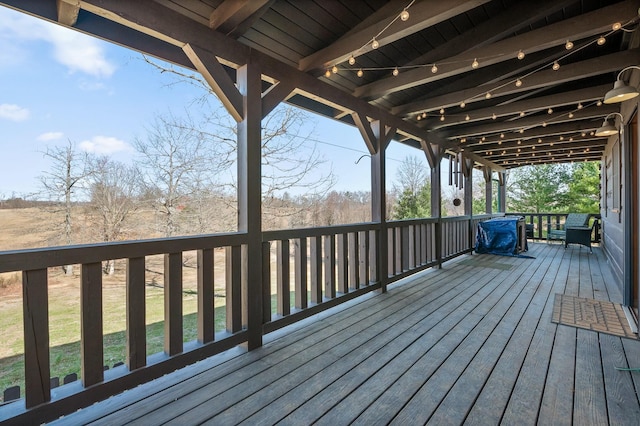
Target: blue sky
{"type": "Point", "coordinates": [57, 85]}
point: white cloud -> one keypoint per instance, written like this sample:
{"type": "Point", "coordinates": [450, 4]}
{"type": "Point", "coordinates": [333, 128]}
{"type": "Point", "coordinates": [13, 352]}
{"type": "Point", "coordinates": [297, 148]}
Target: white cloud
{"type": "Point", "coordinates": [77, 51]}
{"type": "Point", "coordinates": [13, 112]}
{"type": "Point", "coordinates": [50, 136]}
{"type": "Point", "coordinates": [104, 145]}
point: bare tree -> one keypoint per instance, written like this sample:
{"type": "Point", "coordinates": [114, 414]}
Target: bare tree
{"type": "Point", "coordinates": [174, 155]}
{"type": "Point", "coordinates": [69, 169]}
{"type": "Point", "coordinates": [113, 188]}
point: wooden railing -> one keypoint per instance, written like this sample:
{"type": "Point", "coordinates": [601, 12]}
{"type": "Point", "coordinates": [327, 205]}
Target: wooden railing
{"type": "Point", "coordinates": [304, 272]}
{"type": "Point", "coordinates": [542, 222]}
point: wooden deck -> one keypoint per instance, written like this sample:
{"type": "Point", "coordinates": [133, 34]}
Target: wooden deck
{"type": "Point", "coordinates": [464, 344]}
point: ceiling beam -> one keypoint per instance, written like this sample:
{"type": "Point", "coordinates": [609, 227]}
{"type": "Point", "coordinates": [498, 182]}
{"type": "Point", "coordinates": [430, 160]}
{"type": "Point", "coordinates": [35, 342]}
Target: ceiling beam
{"type": "Point", "coordinates": [574, 97]}
{"type": "Point", "coordinates": [567, 73]}
{"type": "Point", "coordinates": [231, 13]}
{"type": "Point", "coordinates": [586, 25]}
{"type": "Point", "coordinates": [68, 11]}
{"type": "Point", "coordinates": [527, 123]}
{"type": "Point", "coordinates": [496, 28]}
{"type": "Point", "coordinates": [423, 14]}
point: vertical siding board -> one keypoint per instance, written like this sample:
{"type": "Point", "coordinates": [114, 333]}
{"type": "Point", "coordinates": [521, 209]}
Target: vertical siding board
{"type": "Point", "coordinates": [91, 330]}
{"type": "Point", "coordinates": [173, 303]}
{"type": "Point", "coordinates": [206, 309]}
{"type": "Point", "coordinates": [37, 374]}
{"type": "Point", "coordinates": [136, 308]}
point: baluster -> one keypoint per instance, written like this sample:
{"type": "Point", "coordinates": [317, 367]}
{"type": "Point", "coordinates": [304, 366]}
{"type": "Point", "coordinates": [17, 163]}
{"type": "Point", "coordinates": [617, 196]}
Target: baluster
{"type": "Point", "coordinates": [206, 308]}
{"type": "Point", "coordinates": [315, 251]}
{"type": "Point", "coordinates": [92, 352]}
{"type": "Point", "coordinates": [363, 256]}
{"type": "Point", "coordinates": [173, 303]}
{"type": "Point", "coordinates": [300, 251]}
{"type": "Point", "coordinates": [136, 308]}
{"type": "Point", "coordinates": [354, 261]}
{"type": "Point", "coordinates": [330, 266]}
{"type": "Point", "coordinates": [234, 288]}
{"type": "Point", "coordinates": [284, 274]}
{"type": "Point", "coordinates": [343, 263]}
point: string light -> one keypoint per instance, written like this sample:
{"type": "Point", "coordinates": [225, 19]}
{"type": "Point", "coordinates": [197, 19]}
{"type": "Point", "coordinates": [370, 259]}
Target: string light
{"type": "Point", "coordinates": [568, 45]}
{"type": "Point", "coordinates": [579, 105]}
{"type": "Point", "coordinates": [434, 69]}
{"type": "Point", "coordinates": [475, 63]}
{"type": "Point", "coordinates": [521, 130]}
{"type": "Point", "coordinates": [494, 116]}
{"type": "Point", "coordinates": [488, 95]}
{"type": "Point", "coordinates": [352, 60]}
{"type": "Point", "coordinates": [360, 73]}
{"type": "Point", "coordinates": [616, 26]}
{"type": "Point", "coordinates": [404, 15]}
{"type": "Point", "coordinates": [424, 114]}
{"type": "Point", "coordinates": [462, 104]}
{"type": "Point", "coordinates": [441, 110]}
{"type": "Point", "coordinates": [550, 111]}
{"type": "Point", "coordinates": [570, 115]}
{"type": "Point", "coordinates": [334, 69]}
{"type": "Point", "coordinates": [327, 73]}
{"type": "Point", "coordinates": [395, 72]}
{"type": "Point", "coordinates": [601, 40]}
{"type": "Point", "coordinates": [419, 117]}
{"type": "Point", "coordinates": [521, 55]}
{"type": "Point", "coordinates": [442, 118]}
{"type": "Point", "coordinates": [467, 118]}
{"type": "Point", "coordinates": [544, 124]}
{"type": "Point", "coordinates": [521, 113]}
{"type": "Point", "coordinates": [518, 83]}
{"type": "Point", "coordinates": [599, 103]}
{"type": "Point", "coordinates": [556, 66]}
{"type": "Point", "coordinates": [375, 44]}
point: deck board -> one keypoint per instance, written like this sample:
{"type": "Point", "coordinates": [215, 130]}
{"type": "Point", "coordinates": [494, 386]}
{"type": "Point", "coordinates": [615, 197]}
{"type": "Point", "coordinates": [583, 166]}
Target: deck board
{"type": "Point", "coordinates": [463, 344]}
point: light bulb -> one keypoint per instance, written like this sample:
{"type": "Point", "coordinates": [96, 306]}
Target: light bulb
{"type": "Point", "coordinates": [375, 44]}
{"type": "Point", "coordinates": [467, 118]}
{"type": "Point", "coordinates": [419, 117]}
{"type": "Point", "coordinates": [327, 73]}
{"type": "Point", "coordinates": [462, 104]}
{"type": "Point", "coordinates": [441, 110]}
{"type": "Point", "coordinates": [499, 142]}
{"type": "Point", "coordinates": [568, 45]}
{"type": "Point", "coordinates": [556, 66]}
{"type": "Point", "coordinates": [475, 64]}
{"type": "Point", "coordinates": [404, 15]}
{"type": "Point", "coordinates": [521, 55]}
{"type": "Point", "coordinates": [544, 124]}
{"type": "Point", "coordinates": [334, 69]}
{"type": "Point", "coordinates": [521, 113]}
{"type": "Point", "coordinates": [550, 111]}
{"type": "Point", "coordinates": [561, 138]}
{"type": "Point", "coordinates": [484, 138]}
{"type": "Point", "coordinates": [360, 73]}
{"type": "Point", "coordinates": [494, 116]}
{"type": "Point", "coordinates": [352, 60]}
{"type": "Point", "coordinates": [579, 105]}
{"type": "Point", "coordinates": [395, 72]}
{"type": "Point", "coordinates": [518, 83]}
{"type": "Point", "coordinates": [501, 135]}
{"type": "Point", "coordinates": [434, 69]}
{"type": "Point", "coordinates": [616, 26]}
{"type": "Point", "coordinates": [488, 95]}
{"type": "Point", "coordinates": [522, 130]}
{"type": "Point", "coordinates": [519, 142]}
{"type": "Point", "coordinates": [599, 103]}
{"type": "Point", "coordinates": [424, 114]}
{"type": "Point", "coordinates": [442, 118]}
{"type": "Point", "coordinates": [570, 115]}
{"type": "Point", "coordinates": [539, 140]}
{"type": "Point", "coordinates": [601, 40]}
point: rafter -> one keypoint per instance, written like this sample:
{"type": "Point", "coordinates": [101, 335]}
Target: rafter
{"type": "Point", "coordinates": [586, 25]}
{"type": "Point", "coordinates": [231, 13]}
{"type": "Point", "coordinates": [527, 106]}
{"type": "Point", "coordinates": [519, 16]}
{"type": "Point", "coordinates": [424, 14]}
{"type": "Point", "coordinates": [566, 73]}
{"type": "Point", "coordinates": [68, 11]}
{"type": "Point", "coordinates": [528, 122]}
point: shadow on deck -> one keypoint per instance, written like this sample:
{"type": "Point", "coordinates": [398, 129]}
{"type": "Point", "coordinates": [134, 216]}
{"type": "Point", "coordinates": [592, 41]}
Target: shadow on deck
{"type": "Point", "coordinates": [464, 344]}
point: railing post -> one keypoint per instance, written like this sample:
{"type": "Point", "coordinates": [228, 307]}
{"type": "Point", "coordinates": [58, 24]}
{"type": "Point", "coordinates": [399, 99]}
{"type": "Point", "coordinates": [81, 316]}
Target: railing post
{"type": "Point", "coordinates": [379, 207]}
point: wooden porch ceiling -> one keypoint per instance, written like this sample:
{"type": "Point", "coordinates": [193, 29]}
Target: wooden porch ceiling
{"type": "Point", "coordinates": [300, 42]}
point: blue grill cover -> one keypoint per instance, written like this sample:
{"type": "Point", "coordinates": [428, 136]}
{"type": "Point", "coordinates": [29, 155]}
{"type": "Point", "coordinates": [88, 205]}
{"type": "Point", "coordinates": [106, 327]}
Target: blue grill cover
{"type": "Point", "coordinates": [498, 236]}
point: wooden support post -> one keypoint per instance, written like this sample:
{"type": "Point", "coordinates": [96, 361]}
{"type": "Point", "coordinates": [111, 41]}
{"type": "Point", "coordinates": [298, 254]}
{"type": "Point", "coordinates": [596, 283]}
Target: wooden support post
{"type": "Point", "coordinates": [250, 197]}
{"type": "Point", "coordinates": [502, 192]}
{"type": "Point", "coordinates": [467, 166]}
{"type": "Point", "coordinates": [488, 189]}
{"type": "Point", "coordinates": [92, 352]}
{"type": "Point", "coordinates": [436, 203]}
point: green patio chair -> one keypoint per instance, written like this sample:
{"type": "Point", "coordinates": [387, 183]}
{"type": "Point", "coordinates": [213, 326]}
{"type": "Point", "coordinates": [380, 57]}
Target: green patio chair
{"type": "Point", "coordinates": [574, 220]}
